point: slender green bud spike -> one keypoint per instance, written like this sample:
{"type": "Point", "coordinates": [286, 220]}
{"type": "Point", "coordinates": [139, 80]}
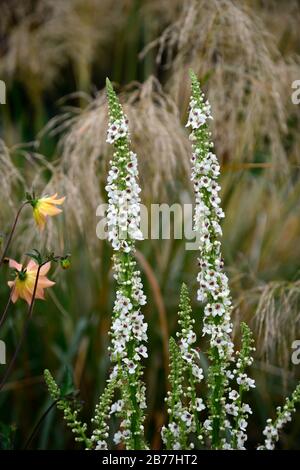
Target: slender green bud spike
{"type": "Point", "coordinates": [115, 109]}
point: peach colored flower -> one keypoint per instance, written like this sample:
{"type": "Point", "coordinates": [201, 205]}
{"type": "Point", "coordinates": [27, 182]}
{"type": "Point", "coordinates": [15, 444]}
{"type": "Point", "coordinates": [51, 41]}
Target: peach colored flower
{"type": "Point", "coordinates": [44, 207]}
{"type": "Point", "coordinates": [23, 285]}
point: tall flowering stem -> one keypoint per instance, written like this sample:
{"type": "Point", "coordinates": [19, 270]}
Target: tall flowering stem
{"type": "Point", "coordinates": [128, 330]}
{"type": "Point", "coordinates": [213, 289]}
{"type": "Point", "coordinates": [183, 406]}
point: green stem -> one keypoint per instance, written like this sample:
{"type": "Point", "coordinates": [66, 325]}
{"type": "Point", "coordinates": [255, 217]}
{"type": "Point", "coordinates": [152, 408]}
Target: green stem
{"type": "Point", "coordinates": [3, 317]}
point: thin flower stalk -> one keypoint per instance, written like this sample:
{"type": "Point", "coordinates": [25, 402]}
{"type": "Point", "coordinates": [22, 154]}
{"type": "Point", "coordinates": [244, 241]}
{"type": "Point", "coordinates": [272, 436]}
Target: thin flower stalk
{"type": "Point", "coordinates": [104, 409]}
{"type": "Point", "coordinates": [5, 311]}
{"type": "Point", "coordinates": [191, 357]}
{"type": "Point", "coordinates": [283, 416]}
{"type": "Point", "coordinates": [11, 233]}
{"type": "Point", "coordinates": [213, 289]}
{"type": "Point", "coordinates": [70, 415]}
{"type": "Point", "coordinates": [174, 435]}
{"type": "Point", "coordinates": [237, 408]}
{"type": "Point", "coordinates": [129, 330]}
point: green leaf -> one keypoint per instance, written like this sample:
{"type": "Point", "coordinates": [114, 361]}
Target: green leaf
{"type": "Point", "coordinates": [36, 255]}
{"type": "Point", "coordinates": [7, 433]}
{"type": "Point", "coordinates": [67, 385]}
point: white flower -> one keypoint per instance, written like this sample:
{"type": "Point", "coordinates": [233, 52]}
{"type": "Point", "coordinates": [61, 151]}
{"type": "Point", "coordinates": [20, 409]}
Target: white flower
{"type": "Point", "coordinates": [241, 439]}
{"type": "Point", "coordinates": [142, 351]}
{"type": "Point", "coordinates": [271, 432]}
{"type": "Point", "coordinates": [207, 425]}
{"type": "Point", "coordinates": [269, 445]}
{"type": "Point", "coordinates": [187, 418]}
{"type": "Point", "coordinates": [199, 404]}
{"type": "Point", "coordinates": [188, 357]}
{"type": "Point", "coordinates": [118, 437]}
{"type": "Point", "coordinates": [243, 424]}
{"type": "Point", "coordinates": [226, 446]}
{"type": "Point", "coordinates": [232, 409]}
{"type": "Point", "coordinates": [191, 337]}
{"type": "Point", "coordinates": [197, 372]}
{"type": "Point", "coordinates": [101, 445]}
{"type": "Point", "coordinates": [246, 408]}
{"type": "Point", "coordinates": [117, 407]}
{"type": "Point", "coordinates": [174, 428]}
{"type": "Point", "coordinates": [116, 130]}
{"type": "Point", "coordinates": [243, 379]}
{"type": "Point", "coordinates": [176, 446]}
{"type": "Point", "coordinates": [130, 365]}
{"type": "Point", "coordinates": [233, 395]}
{"type": "Point", "coordinates": [196, 118]}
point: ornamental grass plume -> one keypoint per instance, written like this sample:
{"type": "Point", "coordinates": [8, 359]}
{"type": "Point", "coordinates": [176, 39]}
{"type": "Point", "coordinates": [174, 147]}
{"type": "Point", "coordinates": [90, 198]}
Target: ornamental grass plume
{"type": "Point", "coordinates": [228, 42]}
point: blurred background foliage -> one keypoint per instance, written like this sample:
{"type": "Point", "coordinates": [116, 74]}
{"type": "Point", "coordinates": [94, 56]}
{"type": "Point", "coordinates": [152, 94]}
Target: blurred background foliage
{"type": "Point", "coordinates": [54, 57]}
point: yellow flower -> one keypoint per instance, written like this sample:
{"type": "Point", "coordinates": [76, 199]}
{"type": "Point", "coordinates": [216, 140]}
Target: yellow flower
{"type": "Point", "coordinates": [44, 207]}
{"type": "Point", "coordinates": [23, 285]}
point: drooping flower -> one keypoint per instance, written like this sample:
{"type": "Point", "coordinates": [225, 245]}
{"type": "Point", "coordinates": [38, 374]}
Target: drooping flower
{"type": "Point", "coordinates": [23, 284]}
{"type": "Point", "coordinates": [44, 207]}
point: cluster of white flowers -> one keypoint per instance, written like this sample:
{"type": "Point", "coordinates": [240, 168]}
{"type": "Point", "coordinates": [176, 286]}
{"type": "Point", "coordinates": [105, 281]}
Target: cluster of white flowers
{"type": "Point", "coordinates": [128, 326]}
{"type": "Point", "coordinates": [198, 116]}
{"type": "Point", "coordinates": [239, 412]}
{"type": "Point", "coordinates": [271, 431]}
{"type": "Point", "coordinates": [246, 381]}
{"type": "Point", "coordinates": [123, 214]}
{"type": "Point", "coordinates": [213, 283]}
{"type": "Point", "coordinates": [117, 129]}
